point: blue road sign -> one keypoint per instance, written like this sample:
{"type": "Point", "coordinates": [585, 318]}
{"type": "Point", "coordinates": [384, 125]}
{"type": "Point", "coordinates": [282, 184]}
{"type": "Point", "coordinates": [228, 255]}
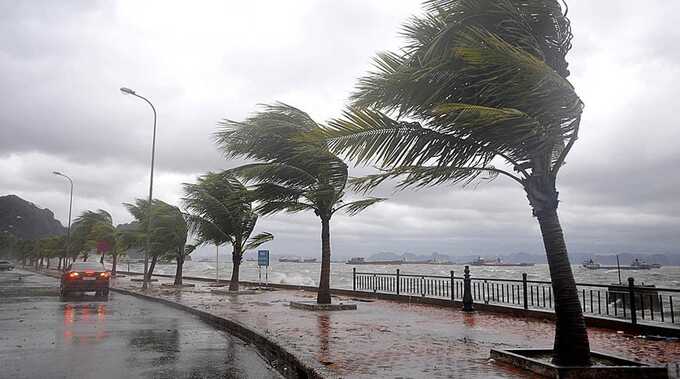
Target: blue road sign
{"type": "Point", "coordinates": [263, 257]}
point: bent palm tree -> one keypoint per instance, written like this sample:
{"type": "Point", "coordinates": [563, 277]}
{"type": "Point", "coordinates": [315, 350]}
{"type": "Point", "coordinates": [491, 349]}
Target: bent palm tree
{"type": "Point", "coordinates": [96, 229]}
{"type": "Point", "coordinates": [168, 229]}
{"type": "Point", "coordinates": [293, 174]}
{"type": "Point", "coordinates": [479, 91]}
{"type": "Point", "coordinates": [220, 211]}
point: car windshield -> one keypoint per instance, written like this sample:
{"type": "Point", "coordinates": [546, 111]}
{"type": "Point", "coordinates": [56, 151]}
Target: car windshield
{"type": "Point", "coordinates": [87, 266]}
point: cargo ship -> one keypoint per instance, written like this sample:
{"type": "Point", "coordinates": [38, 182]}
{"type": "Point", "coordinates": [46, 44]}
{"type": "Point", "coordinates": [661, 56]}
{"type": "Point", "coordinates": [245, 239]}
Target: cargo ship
{"type": "Point", "coordinates": [498, 262]}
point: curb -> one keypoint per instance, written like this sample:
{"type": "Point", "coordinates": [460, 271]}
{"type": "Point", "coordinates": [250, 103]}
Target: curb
{"type": "Point", "coordinates": [282, 360]}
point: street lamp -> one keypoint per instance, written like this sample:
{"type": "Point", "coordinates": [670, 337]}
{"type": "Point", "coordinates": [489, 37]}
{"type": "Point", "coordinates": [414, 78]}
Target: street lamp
{"type": "Point", "coordinates": [70, 206]}
{"type": "Point", "coordinates": [127, 91]}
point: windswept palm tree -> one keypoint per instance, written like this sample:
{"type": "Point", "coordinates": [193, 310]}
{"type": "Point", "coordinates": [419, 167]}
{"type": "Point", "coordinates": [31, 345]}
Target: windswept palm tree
{"type": "Point", "coordinates": [219, 211]}
{"type": "Point", "coordinates": [291, 174]}
{"type": "Point", "coordinates": [169, 232]}
{"type": "Point", "coordinates": [170, 227]}
{"type": "Point", "coordinates": [479, 90]}
{"type": "Point", "coordinates": [99, 232]}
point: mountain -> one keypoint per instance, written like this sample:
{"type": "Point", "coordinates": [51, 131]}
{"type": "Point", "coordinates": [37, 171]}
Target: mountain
{"type": "Point", "coordinates": [25, 220]}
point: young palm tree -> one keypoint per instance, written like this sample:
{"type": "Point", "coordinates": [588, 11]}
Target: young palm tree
{"type": "Point", "coordinates": [220, 211]}
{"type": "Point", "coordinates": [479, 90]}
{"type": "Point", "coordinates": [293, 174]}
{"type": "Point", "coordinates": [99, 231]}
{"type": "Point", "coordinates": [172, 229]}
{"type": "Point", "coordinates": [169, 232]}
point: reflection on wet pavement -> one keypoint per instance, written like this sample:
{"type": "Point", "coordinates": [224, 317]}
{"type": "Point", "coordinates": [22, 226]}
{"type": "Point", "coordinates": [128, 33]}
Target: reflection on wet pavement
{"type": "Point", "coordinates": [387, 339]}
{"type": "Point", "coordinates": [45, 337]}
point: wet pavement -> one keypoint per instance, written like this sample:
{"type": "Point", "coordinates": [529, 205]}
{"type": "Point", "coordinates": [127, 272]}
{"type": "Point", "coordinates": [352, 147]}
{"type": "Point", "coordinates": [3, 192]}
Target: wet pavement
{"type": "Point", "coordinates": [388, 339]}
{"type": "Point", "coordinates": [42, 336]}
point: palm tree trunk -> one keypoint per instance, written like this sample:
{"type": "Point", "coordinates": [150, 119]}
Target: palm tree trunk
{"type": "Point", "coordinates": [236, 256]}
{"type": "Point", "coordinates": [324, 294]}
{"type": "Point", "coordinates": [101, 259]}
{"type": "Point", "coordinates": [114, 263]}
{"type": "Point", "coordinates": [151, 267]}
{"type": "Point", "coordinates": [59, 264]}
{"type": "Point", "coordinates": [571, 346]}
{"type": "Point", "coordinates": [178, 272]}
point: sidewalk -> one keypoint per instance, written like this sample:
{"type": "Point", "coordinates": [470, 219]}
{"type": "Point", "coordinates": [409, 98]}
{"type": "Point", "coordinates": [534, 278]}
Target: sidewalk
{"type": "Point", "coordinates": [387, 339]}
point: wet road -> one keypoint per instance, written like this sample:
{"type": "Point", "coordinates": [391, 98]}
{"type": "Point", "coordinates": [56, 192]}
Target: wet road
{"type": "Point", "coordinates": [124, 337]}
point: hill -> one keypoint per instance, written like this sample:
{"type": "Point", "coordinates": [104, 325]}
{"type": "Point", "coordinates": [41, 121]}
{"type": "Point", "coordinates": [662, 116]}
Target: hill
{"type": "Point", "coordinates": [25, 220]}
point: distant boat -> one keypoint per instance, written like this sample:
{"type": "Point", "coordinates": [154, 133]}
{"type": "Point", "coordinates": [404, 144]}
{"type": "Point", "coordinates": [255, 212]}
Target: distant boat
{"type": "Point", "coordinates": [297, 260]}
{"type": "Point", "coordinates": [362, 261]}
{"type": "Point", "coordinates": [635, 265]}
{"type": "Point", "coordinates": [590, 264]}
{"type": "Point", "coordinates": [498, 262]}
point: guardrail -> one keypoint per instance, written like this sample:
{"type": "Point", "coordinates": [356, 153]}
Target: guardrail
{"type": "Point", "coordinates": [626, 302]}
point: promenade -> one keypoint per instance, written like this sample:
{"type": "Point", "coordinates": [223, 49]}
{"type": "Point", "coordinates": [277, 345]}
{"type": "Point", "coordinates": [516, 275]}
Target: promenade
{"type": "Point", "coordinates": [389, 339]}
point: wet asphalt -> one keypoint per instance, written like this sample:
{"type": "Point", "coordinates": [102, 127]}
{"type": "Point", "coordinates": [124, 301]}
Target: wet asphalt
{"type": "Point", "coordinates": [44, 336]}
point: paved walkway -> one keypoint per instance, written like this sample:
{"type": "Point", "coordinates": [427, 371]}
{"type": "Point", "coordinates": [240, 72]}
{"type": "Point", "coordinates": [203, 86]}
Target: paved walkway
{"type": "Point", "coordinates": [388, 339]}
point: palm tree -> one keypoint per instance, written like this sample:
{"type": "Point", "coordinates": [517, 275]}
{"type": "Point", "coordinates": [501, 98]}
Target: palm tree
{"type": "Point", "coordinates": [171, 229]}
{"type": "Point", "coordinates": [292, 174]}
{"type": "Point", "coordinates": [168, 231]}
{"type": "Point", "coordinates": [220, 211]}
{"type": "Point", "coordinates": [479, 91]}
{"type": "Point", "coordinates": [103, 235]}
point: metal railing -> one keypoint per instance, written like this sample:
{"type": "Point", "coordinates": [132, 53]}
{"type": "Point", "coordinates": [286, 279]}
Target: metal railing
{"type": "Point", "coordinates": [626, 302]}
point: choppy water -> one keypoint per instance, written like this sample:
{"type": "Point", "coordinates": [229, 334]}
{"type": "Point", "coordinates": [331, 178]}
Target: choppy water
{"type": "Point", "coordinates": [341, 273]}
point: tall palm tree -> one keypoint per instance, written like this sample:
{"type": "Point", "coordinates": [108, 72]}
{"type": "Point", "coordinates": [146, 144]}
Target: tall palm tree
{"type": "Point", "coordinates": [293, 174]}
{"type": "Point", "coordinates": [479, 90]}
{"type": "Point", "coordinates": [220, 211]}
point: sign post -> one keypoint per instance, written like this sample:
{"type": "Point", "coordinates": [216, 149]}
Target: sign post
{"type": "Point", "coordinates": [263, 261]}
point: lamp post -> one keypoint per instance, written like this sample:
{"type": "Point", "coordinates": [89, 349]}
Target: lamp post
{"type": "Point", "coordinates": [127, 91]}
{"type": "Point", "coordinates": [70, 206]}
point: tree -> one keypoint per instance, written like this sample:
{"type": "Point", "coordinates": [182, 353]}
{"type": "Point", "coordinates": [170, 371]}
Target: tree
{"type": "Point", "coordinates": [168, 232]}
{"type": "Point", "coordinates": [219, 211]}
{"type": "Point", "coordinates": [292, 174]}
{"type": "Point", "coordinates": [479, 91]}
{"type": "Point", "coordinates": [171, 228]}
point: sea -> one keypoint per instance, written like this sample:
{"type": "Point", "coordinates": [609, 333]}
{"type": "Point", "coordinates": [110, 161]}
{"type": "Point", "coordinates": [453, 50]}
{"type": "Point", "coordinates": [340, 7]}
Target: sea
{"type": "Point", "coordinates": [341, 273]}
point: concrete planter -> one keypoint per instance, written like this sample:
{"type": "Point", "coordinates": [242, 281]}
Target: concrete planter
{"type": "Point", "coordinates": [605, 367]}
{"type": "Point", "coordinates": [234, 293]}
{"type": "Point", "coordinates": [170, 285]}
{"type": "Point", "coordinates": [313, 306]}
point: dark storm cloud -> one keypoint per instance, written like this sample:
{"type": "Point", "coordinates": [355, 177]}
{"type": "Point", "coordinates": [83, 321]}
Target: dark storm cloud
{"type": "Point", "coordinates": [63, 63]}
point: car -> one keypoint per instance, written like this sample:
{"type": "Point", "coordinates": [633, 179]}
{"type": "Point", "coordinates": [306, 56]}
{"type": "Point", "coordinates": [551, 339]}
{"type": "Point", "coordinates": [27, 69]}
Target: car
{"type": "Point", "coordinates": [6, 265]}
{"type": "Point", "coordinates": [85, 277]}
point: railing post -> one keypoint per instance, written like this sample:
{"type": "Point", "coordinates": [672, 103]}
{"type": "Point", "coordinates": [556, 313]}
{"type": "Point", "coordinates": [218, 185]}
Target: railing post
{"type": "Point", "coordinates": [467, 291]}
{"type": "Point", "coordinates": [452, 297]}
{"type": "Point", "coordinates": [633, 310]}
{"type": "Point", "coordinates": [354, 278]}
{"type": "Point", "coordinates": [524, 289]}
{"type": "Point", "coordinates": [398, 285]}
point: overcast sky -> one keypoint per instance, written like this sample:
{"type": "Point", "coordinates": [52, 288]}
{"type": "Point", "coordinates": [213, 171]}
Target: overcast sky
{"type": "Point", "coordinates": [62, 64]}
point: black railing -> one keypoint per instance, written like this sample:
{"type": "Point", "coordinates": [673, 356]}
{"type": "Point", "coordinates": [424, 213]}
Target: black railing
{"type": "Point", "coordinates": [628, 302]}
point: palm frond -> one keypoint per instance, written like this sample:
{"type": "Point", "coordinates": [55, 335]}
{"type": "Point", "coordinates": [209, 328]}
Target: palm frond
{"type": "Point", "coordinates": [425, 176]}
{"type": "Point", "coordinates": [255, 241]}
{"type": "Point", "coordinates": [358, 206]}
